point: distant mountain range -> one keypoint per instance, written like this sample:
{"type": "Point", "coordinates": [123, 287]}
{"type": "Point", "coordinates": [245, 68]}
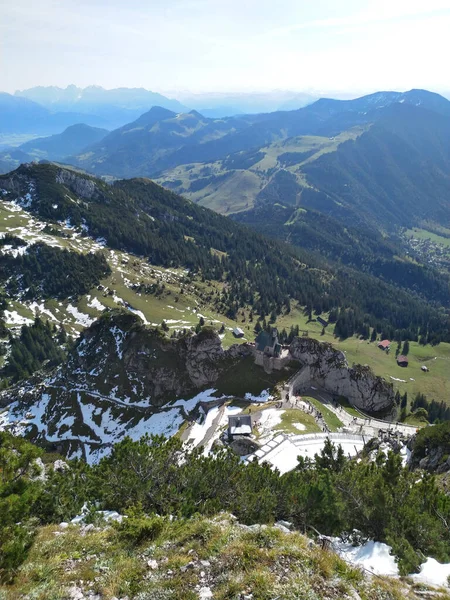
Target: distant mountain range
{"type": "Point", "coordinates": [47, 110]}
{"type": "Point", "coordinates": [116, 107]}
{"type": "Point", "coordinates": [256, 158]}
{"type": "Point", "coordinates": [55, 147]}
{"type": "Point", "coordinates": [229, 104]}
{"type": "Point", "coordinates": [335, 176]}
{"type": "Point", "coordinates": [21, 115]}
{"type": "Point", "coordinates": [128, 103]}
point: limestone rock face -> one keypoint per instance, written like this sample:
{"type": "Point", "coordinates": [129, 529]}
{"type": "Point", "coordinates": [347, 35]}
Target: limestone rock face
{"type": "Point", "coordinates": [84, 188]}
{"type": "Point", "coordinates": [436, 459]}
{"type": "Point", "coordinates": [119, 380]}
{"type": "Point", "coordinates": [129, 360]}
{"type": "Point", "coordinates": [328, 368]}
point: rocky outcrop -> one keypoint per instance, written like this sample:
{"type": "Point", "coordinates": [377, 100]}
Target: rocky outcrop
{"type": "Point", "coordinates": [118, 356]}
{"type": "Point", "coordinates": [119, 380]}
{"type": "Point", "coordinates": [82, 187]}
{"type": "Point", "coordinates": [438, 461]}
{"type": "Point", "coordinates": [328, 368]}
{"type": "Point", "coordinates": [430, 448]}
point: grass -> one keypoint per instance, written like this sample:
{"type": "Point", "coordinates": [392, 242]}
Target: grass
{"type": "Point", "coordinates": [180, 308]}
{"type": "Point", "coordinates": [348, 407]}
{"type": "Point", "coordinates": [333, 422]}
{"type": "Point", "coordinates": [291, 417]}
{"type": "Point", "coordinates": [435, 383]}
{"type": "Point", "coordinates": [264, 562]}
{"type": "Point", "coordinates": [424, 234]}
{"type": "Point", "coordinates": [417, 422]}
{"type": "Point", "coordinates": [238, 191]}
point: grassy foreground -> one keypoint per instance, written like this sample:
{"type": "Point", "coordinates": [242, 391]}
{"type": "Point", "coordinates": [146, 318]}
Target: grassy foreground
{"type": "Point", "coordinates": [155, 558]}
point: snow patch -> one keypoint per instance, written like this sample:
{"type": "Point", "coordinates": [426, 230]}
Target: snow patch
{"type": "Point", "coordinates": [96, 304]}
{"type": "Point", "coordinates": [299, 426]}
{"type": "Point", "coordinates": [373, 556]}
{"type": "Point", "coordinates": [13, 318]}
{"type": "Point", "coordinates": [433, 572]}
{"type": "Point", "coordinates": [264, 396]}
{"type": "Point", "coordinates": [270, 418]}
{"type": "Point", "coordinates": [80, 318]}
{"type": "Point", "coordinates": [140, 314]}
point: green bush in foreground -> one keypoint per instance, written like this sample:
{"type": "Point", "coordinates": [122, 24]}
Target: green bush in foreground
{"type": "Point", "coordinates": [334, 495]}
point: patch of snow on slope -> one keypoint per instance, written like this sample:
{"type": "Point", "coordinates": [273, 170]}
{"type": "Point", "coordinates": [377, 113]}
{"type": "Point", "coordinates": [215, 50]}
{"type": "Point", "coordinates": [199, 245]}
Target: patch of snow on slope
{"type": "Point", "coordinates": [80, 318]}
{"type": "Point", "coordinates": [95, 303]}
{"type": "Point", "coordinates": [17, 420]}
{"type": "Point", "coordinates": [299, 426]}
{"type": "Point", "coordinates": [201, 426]}
{"type": "Point", "coordinates": [270, 418]}
{"type": "Point", "coordinates": [373, 556]}
{"type": "Point", "coordinates": [376, 558]}
{"type": "Point", "coordinates": [109, 430]}
{"type": "Point", "coordinates": [118, 337]}
{"type": "Point", "coordinates": [13, 318]}
{"type": "Point", "coordinates": [433, 573]}
{"type": "Point", "coordinates": [15, 252]}
{"type": "Point", "coordinates": [140, 314]}
{"type": "Point", "coordinates": [205, 396]}
{"type": "Point", "coordinates": [39, 309]}
{"type": "Point", "coordinates": [264, 396]}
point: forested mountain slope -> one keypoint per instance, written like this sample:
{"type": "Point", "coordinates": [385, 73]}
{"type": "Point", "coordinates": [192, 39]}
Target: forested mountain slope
{"type": "Point", "coordinates": [348, 196]}
{"type": "Point", "coordinates": [55, 147]}
{"type": "Point", "coordinates": [139, 148]}
{"type": "Point", "coordinates": [139, 216]}
{"type": "Point", "coordinates": [153, 143]}
{"type": "Point", "coordinates": [397, 173]}
{"type": "Point", "coordinates": [338, 177]}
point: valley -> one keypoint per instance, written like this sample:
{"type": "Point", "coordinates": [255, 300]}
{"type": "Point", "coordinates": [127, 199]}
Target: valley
{"type": "Point", "coordinates": [101, 416]}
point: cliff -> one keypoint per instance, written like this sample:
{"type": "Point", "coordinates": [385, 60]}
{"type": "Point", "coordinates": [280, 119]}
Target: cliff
{"type": "Point", "coordinates": [118, 354]}
{"type": "Point", "coordinates": [328, 368]}
{"type": "Point", "coordinates": [121, 378]}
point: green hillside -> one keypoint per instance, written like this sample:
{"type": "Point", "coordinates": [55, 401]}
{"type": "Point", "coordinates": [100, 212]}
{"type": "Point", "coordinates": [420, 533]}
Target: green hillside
{"type": "Point", "coordinates": [140, 217]}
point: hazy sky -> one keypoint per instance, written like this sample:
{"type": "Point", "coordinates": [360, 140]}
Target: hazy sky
{"type": "Point", "coordinates": [226, 45]}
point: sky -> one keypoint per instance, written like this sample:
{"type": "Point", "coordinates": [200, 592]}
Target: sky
{"type": "Point", "coordinates": [170, 46]}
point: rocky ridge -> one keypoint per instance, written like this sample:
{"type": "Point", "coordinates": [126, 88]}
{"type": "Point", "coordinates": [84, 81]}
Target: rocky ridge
{"type": "Point", "coordinates": [328, 368]}
{"type": "Point", "coordinates": [135, 362]}
{"type": "Point", "coordinates": [121, 378]}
